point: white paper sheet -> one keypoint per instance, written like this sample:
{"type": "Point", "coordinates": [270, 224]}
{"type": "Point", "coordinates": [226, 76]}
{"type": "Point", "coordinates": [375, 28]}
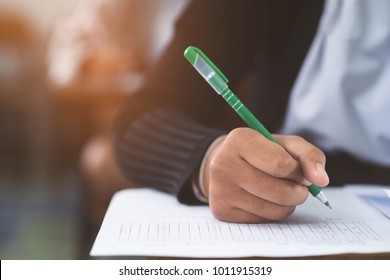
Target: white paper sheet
{"type": "Point", "coordinates": [378, 198]}
{"type": "Point", "coordinates": [144, 222]}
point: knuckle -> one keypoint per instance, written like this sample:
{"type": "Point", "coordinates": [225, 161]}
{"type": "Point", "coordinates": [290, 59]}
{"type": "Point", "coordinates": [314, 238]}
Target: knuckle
{"type": "Point", "coordinates": [234, 134]}
{"type": "Point", "coordinates": [238, 134]}
{"type": "Point", "coordinates": [284, 165]}
{"type": "Point", "coordinates": [316, 153]}
{"type": "Point", "coordinates": [296, 138]}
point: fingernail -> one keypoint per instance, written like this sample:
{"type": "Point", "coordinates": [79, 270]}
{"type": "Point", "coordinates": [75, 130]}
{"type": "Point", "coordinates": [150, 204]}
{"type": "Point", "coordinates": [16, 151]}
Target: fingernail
{"type": "Point", "coordinates": [321, 170]}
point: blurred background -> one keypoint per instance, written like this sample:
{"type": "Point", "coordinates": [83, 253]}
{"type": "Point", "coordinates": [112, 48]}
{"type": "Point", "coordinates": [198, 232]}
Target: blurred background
{"type": "Point", "coordinates": [66, 66]}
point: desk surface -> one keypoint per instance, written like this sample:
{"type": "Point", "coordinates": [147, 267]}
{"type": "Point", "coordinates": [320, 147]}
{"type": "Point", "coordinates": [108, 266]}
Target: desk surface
{"type": "Point", "coordinates": [376, 256]}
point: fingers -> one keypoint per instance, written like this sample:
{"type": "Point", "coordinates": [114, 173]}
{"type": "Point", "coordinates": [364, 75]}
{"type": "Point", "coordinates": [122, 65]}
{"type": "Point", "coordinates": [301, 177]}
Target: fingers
{"type": "Point", "coordinates": [241, 193]}
{"type": "Point", "coordinates": [247, 208]}
{"type": "Point", "coordinates": [237, 215]}
{"type": "Point", "coordinates": [248, 178]}
{"type": "Point", "coordinates": [262, 207]}
{"type": "Point", "coordinates": [264, 154]}
{"type": "Point", "coordinates": [311, 159]}
{"type": "Point", "coordinates": [260, 184]}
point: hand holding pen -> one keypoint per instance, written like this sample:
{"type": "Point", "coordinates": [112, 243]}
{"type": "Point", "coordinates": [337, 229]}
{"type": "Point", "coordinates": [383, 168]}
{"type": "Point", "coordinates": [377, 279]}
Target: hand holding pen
{"type": "Point", "coordinates": [256, 177]}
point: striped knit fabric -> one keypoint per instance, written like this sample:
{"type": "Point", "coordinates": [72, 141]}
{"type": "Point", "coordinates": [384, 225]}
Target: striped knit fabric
{"type": "Point", "coordinates": [161, 149]}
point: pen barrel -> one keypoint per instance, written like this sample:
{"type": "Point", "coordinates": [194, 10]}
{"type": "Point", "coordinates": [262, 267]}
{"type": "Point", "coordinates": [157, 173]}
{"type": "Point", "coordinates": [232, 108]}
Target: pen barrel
{"type": "Point", "coordinates": [246, 114]}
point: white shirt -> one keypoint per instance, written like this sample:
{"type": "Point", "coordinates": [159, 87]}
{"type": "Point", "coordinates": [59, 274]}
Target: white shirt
{"type": "Point", "coordinates": [341, 98]}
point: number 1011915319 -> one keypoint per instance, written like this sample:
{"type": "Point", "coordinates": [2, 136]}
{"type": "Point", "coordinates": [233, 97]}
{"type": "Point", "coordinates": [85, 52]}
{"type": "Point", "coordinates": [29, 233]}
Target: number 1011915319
{"type": "Point", "coordinates": [242, 270]}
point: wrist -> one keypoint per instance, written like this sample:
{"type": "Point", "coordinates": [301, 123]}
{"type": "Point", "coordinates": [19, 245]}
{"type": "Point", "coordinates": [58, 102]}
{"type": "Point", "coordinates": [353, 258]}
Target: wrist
{"type": "Point", "coordinates": [200, 177]}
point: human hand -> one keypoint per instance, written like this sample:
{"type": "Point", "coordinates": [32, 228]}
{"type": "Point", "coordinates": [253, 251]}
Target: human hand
{"type": "Point", "coordinates": [248, 178]}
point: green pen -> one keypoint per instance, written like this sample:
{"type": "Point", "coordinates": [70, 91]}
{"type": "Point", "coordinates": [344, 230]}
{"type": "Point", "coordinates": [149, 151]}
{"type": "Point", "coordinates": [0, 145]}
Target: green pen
{"type": "Point", "coordinates": [218, 82]}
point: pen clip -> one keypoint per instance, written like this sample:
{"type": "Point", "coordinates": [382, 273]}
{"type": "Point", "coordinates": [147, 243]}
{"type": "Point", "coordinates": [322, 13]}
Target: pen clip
{"type": "Point", "coordinates": [190, 55]}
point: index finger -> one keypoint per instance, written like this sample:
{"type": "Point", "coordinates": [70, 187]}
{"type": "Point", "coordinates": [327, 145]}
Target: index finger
{"type": "Point", "coordinates": [265, 155]}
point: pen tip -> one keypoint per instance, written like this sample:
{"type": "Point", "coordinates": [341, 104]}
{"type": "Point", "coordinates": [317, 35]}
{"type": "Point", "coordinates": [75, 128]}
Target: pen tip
{"type": "Point", "coordinates": [327, 204]}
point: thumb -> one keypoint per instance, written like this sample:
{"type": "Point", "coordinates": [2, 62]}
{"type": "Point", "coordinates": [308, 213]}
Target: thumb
{"type": "Point", "coordinates": [311, 159]}
{"type": "Point", "coordinates": [314, 172]}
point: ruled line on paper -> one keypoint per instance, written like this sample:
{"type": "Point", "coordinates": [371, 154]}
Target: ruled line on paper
{"type": "Point", "coordinates": [196, 230]}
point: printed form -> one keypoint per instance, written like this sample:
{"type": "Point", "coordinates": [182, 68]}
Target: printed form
{"type": "Point", "coordinates": [145, 222]}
